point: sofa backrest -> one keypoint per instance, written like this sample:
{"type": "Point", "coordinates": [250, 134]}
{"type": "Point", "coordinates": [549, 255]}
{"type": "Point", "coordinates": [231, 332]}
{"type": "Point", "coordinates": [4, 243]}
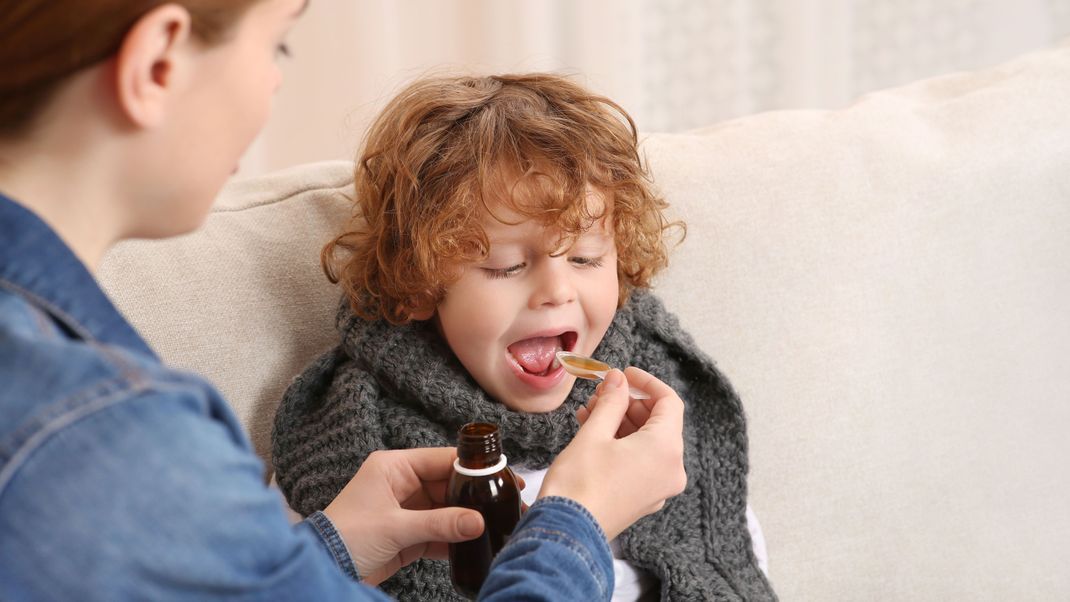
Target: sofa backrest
{"type": "Point", "coordinates": [885, 284]}
{"type": "Point", "coordinates": [242, 301]}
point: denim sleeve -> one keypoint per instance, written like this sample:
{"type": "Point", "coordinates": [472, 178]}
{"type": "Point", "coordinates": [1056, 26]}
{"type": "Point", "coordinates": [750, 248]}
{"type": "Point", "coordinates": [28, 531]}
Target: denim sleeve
{"type": "Point", "coordinates": [151, 498]}
{"type": "Point", "coordinates": [332, 542]}
{"type": "Point", "coordinates": [557, 552]}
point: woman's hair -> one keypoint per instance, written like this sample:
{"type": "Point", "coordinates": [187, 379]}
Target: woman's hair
{"type": "Point", "coordinates": [448, 150]}
{"type": "Point", "coordinates": [44, 42]}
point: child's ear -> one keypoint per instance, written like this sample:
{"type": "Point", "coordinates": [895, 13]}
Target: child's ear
{"type": "Point", "coordinates": [424, 314]}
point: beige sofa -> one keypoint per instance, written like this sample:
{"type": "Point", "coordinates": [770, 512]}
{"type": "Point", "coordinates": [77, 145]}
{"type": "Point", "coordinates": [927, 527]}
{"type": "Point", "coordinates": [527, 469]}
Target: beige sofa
{"type": "Point", "coordinates": [887, 286]}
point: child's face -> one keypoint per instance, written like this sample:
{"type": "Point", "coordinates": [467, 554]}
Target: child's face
{"type": "Point", "coordinates": [507, 315]}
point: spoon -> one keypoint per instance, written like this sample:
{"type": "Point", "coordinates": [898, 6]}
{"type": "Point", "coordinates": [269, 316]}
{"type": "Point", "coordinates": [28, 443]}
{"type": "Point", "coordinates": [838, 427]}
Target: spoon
{"type": "Point", "coordinates": [582, 366]}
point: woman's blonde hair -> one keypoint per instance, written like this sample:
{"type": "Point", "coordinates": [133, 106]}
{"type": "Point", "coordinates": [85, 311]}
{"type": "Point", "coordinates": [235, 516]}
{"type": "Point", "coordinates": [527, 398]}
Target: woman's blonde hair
{"type": "Point", "coordinates": [448, 150]}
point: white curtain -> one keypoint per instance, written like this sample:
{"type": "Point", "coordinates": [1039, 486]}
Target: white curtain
{"type": "Point", "coordinates": [673, 64]}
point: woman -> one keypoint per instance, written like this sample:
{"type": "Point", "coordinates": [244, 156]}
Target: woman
{"type": "Point", "coordinates": [120, 478]}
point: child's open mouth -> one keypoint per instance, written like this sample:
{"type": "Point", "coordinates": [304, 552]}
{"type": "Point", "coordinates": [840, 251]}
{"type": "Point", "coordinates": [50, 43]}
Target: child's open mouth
{"type": "Point", "coordinates": [533, 359]}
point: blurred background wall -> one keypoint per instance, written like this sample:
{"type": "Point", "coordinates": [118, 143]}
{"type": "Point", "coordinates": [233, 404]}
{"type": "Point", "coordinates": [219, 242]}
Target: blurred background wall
{"type": "Point", "coordinates": [673, 64]}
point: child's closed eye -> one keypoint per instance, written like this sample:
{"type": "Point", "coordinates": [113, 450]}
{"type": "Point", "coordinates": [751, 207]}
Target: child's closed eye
{"type": "Point", "coordinates": [587, 262]}
{"type": "Point", "coordinates": [496, 273]}
{"type": "Point", "coordinates": [513, 270]}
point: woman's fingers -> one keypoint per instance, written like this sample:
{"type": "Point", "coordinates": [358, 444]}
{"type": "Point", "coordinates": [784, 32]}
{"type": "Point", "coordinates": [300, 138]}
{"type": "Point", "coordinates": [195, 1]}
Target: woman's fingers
{"type": "Point", "coordinates": [605, 417]}
{"type": "Point", "coordinates": [635, 417]}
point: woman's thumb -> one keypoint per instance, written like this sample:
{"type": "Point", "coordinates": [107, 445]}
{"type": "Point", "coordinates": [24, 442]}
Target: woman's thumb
{"type": "Point", "coordinates": [606, 416]}
{"type": "Point", "coordinates": [449, 525]}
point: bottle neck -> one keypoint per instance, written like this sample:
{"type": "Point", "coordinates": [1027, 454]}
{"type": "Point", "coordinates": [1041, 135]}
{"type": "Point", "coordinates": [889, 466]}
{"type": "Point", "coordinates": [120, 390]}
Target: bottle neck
{"type": "Point", "coordinates": [479, 445]}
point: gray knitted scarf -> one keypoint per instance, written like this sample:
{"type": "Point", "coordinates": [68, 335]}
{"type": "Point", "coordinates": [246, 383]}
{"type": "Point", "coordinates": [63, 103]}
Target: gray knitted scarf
{"type": "Point", "coordinates": [390, 387]}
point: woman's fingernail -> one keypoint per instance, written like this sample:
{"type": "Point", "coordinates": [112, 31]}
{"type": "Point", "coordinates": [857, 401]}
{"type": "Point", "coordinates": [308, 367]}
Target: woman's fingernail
{"type": "Point", "coordinates": [471, 525]}
{"type": "Point", "coordinates": [614, 378]}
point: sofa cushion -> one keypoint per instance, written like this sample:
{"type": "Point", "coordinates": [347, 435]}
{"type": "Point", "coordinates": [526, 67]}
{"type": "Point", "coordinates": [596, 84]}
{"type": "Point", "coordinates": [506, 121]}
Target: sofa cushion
{"type": "Point", "coordinates": [887, 287]}
{"type": "Point", "coordinates": [885, 284]}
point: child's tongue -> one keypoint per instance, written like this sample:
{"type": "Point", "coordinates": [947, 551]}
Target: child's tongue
{"type": "Point", "coordinates": [535, 355]}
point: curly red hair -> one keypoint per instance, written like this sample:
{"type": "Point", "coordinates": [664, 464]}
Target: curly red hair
{"type": "Point", "coordinates": [447, 150]}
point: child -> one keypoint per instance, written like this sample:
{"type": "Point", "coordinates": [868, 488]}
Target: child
{"type": "Point", "coordinates": [502, 219]}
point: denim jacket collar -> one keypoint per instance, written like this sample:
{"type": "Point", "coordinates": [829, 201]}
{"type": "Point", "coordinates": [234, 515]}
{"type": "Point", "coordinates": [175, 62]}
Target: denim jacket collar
{"type": "Point", "coordinates": [37, 265]}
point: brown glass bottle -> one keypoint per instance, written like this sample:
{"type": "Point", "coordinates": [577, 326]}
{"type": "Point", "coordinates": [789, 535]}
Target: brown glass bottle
{"type": "Point", "coordinates": [481, 481]}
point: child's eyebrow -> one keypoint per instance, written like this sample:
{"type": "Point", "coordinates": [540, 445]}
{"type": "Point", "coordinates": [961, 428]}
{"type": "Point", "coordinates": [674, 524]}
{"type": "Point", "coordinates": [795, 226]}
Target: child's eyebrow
{"type": "Point", "coordinates": [507, 239]}
{"type": "Point", "coordinates": [595, 235]}
{"type": "Point", "coordinates": [502, 239]}
{"type": "Point", "coordinates": [506, 236]}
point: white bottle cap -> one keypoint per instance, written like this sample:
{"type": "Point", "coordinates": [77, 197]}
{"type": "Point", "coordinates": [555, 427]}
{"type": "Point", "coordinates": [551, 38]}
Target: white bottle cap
{"type": "Point", "coordinates": [479, 472]}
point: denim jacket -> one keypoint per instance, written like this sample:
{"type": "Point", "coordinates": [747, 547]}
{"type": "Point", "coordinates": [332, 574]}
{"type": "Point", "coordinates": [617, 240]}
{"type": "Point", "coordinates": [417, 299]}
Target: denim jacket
{"type": "Point", "coordinates": [123, 479]}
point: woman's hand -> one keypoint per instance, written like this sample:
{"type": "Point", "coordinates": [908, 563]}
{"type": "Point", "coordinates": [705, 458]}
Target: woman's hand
{"type": "Point", "coordinates": [627, 458]}
{"type": "Point", "coordinates": [636, 415]}
{"type": "Point", "coordinates": [390, 513]}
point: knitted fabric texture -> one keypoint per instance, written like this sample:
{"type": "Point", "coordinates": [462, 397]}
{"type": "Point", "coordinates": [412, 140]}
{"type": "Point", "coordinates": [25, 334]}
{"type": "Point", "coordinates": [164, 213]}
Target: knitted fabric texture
{"type": "Point", "coordinates": [392, 387]}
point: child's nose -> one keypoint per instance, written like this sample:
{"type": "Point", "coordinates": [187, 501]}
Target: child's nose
{"type": "Point", "coordinates": [554, 285]}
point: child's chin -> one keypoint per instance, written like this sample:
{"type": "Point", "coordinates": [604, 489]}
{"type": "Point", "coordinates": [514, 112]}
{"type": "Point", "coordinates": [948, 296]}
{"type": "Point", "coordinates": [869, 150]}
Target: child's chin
{"type": "Point", "coordinates": [537, 404]}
